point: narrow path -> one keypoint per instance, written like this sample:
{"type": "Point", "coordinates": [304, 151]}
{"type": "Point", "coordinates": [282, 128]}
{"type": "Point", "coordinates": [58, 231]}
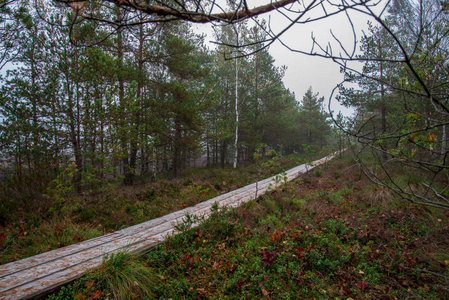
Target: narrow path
{"type": "Point", "coordinates": [40, 274]}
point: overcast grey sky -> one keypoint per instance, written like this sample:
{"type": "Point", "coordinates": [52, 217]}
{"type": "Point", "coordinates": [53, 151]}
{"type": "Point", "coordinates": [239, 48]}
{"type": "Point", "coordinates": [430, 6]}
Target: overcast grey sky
{"type": "Point", "coordinates": [304, 71]}
{"type": "Point", "coordinates": [322, 74]}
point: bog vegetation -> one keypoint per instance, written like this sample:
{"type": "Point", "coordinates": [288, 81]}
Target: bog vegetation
{"type": "Point", "coordinates": [330, 234]}
{"type": "Point", "coordinates": [80, 218]}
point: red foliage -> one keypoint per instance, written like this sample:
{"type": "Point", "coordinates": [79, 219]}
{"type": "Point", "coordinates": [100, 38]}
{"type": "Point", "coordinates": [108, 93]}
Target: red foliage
{"type": "Point", "coordinates": [268, 258]}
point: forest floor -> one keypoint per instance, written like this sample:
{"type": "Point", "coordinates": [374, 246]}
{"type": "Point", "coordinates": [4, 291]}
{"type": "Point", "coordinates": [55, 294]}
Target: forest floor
{"type": "Point", "coordinates": [330, 234]}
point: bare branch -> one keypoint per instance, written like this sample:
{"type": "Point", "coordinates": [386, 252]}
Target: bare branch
{"type": "Point", "coordinates": [163, 13]}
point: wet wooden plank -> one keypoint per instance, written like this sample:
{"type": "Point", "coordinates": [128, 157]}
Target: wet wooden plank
{"type": "Point", "coordinates": [39, 274]}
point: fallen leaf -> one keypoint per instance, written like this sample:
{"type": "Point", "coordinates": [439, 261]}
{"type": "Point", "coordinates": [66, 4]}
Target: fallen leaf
{"type": "Point", "coordinates": [79, 296]}
{"type": "Point", "coordinates": [97, 295]}
{"type": "Point", "coordinates": [268, 258]}
{"type": "Point", "coordinates": [239, 284]}
{"type": "Point", "coordinates": [186, 257]}
{"type": "Point", "coordinates": [202, 292]}
{"type": "Point", "coordinates": [276, 237]}
{"type": "Point", "coordinates": [362, 285]}
{"type": "Point", "coordinates": [265, 292]}
{"type": "Point", "coordinates": [299, 253]}
{"type": "Point", "coordinates": [90, 284]}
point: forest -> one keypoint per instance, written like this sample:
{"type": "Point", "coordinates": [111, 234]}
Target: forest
{"type": "Point", "coordinates": [143, 100]}
{"type": "Point", "coordinates": [116, 112]}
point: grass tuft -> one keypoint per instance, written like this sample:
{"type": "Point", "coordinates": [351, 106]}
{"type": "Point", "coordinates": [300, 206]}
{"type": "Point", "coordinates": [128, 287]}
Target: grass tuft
{"type": "Point", "coordinates": [121, 276]}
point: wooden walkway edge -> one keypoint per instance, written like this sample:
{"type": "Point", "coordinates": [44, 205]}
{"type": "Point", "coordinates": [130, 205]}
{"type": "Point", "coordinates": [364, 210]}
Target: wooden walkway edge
{"type": "Point", "coordinates": [37, 275]}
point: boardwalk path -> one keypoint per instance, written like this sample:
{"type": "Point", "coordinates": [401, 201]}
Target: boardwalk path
{"type": "Point", "coordinates": [37, 275]}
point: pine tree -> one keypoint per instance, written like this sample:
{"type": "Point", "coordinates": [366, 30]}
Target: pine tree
{"type": "Point", "coordinates": [313, 119]}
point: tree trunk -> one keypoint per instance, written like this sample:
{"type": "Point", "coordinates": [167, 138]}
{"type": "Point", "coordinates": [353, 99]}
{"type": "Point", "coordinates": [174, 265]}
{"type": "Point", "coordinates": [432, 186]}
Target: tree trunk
{"type": "Point", "coordinates": [127, 170]}
{"type": "Point", "coordinates": [236, 111]}
{"type": "Point", "coordinates": [383, 109]}
{"type": "Point", "coordinates": [208, 152]}
{"type": "Point", "coordinates": [154, 163]}
{"type": "Point", "coordinates": [444, 141]}
{"type": "Point", "coordinates": [34, 147]}
{"type": "Point", "coordinates": [177, 148]}
{"type": "Point", "coordinates": [223, 153]}
{"type": "Point", "coordinates": [74, 125]}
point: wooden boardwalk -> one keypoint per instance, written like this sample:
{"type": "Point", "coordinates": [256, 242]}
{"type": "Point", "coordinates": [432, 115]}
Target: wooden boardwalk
{"type": "Point", "coordinates": [40, 274]}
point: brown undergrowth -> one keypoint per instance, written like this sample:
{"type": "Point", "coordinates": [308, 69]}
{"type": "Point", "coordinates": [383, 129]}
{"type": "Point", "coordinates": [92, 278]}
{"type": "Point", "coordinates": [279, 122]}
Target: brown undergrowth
{"type": "Point", "coordinates": [331, 234]}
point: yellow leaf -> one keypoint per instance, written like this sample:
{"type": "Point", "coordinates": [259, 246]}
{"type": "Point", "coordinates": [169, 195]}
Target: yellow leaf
{"type": "Point", "coordinates": [265, 292]}
{"type": "Point", "coordinates": [79, 296]}
{"type": "Point", "coordinates": [90, 284]}
{"type": "Point", "coordinates": [97, 295]}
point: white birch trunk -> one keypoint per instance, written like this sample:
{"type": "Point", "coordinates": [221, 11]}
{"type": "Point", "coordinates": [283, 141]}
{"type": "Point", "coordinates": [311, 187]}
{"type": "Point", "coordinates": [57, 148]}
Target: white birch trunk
{"type": "Point", "coordinates": [236, 102]}
{"type": "Point", "coordinates": [236, 112]}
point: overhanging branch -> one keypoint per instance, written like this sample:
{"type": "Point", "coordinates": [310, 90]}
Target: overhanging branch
{"type": "Point", "coordinates": [161, 13]}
